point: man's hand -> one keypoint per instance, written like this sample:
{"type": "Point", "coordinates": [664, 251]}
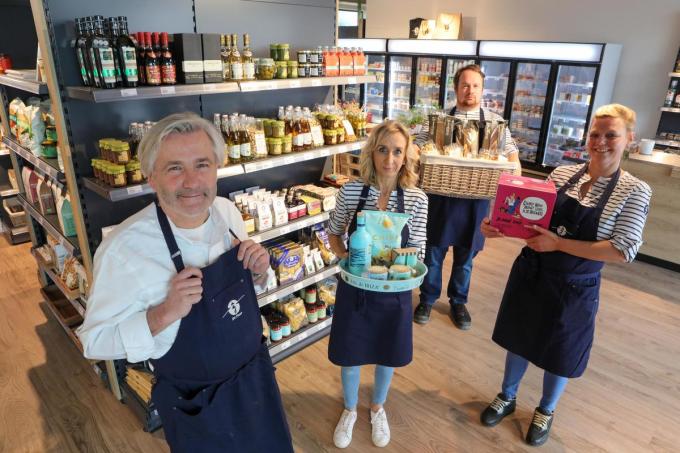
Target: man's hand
{"type": "Point", "coordinates": [489, 231]}
{"type": "Point", "coordinates": [253, 255]}
{"type": "Point", "coordinates": [185, 290]}
{"type": "Point", "coordinates": [545, 241]}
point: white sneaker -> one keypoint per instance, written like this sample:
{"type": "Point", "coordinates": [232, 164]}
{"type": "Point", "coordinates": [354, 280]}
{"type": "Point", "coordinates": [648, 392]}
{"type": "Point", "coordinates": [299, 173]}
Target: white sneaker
{"type": "Point", "coordinates": [343, 431]}
{"type": "Point", "coordinates": [381, 429]}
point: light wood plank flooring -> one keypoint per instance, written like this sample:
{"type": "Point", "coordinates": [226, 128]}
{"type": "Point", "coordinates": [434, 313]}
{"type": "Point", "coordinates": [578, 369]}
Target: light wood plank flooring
{"type": "Point", "coordinates": [628, 400]}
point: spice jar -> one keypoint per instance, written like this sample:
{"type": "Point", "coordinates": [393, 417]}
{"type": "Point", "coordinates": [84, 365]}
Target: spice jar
{"type": "Point", "coordinates": [284, 52]}
{"type": "Point", "coordinates": [287, 144]}
{"type": "Point", "coordinates": [266, 70]}
{"type": "Point", "coordinates": [321, 309]}
{"type": "Point", "coordinates": [278, 129]}
{"type": "Point", "coordinates": [118, 176]}
{"type": "Point", "coordinates": [303, 56]}
{"type": "Point", "coordinates": [285, 329]}
{"type": "Point", "coordinates": [120, 153]}
{"type": "Point", "coordinates": [312, 315]}
{"type": "Point", "coordinates": [303, 70]}
{"type": "Point", "coordinates": [292, 69]}
{"type": "Point", "coordinates": [330, 137]}
{"type": "Point", "coordinates": [276, 333]}
{"type": "Point", "coordinates": [274, 146]}
{"type": "Point", "coordinates": [281, 70]}
{"type": "Point", "coordinates": [310, 295]}
{"type": "Point", "coordinates": [133, 169]}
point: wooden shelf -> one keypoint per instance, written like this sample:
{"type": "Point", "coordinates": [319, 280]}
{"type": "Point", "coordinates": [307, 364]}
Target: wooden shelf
{"type": "Point", "coordinates": [63, 312]}
{"type": "Point", "coordinates": [72, 295]}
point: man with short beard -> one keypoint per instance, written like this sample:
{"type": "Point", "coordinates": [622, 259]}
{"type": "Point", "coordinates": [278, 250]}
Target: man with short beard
{"type": "Point", "coordinates": [455, 221]}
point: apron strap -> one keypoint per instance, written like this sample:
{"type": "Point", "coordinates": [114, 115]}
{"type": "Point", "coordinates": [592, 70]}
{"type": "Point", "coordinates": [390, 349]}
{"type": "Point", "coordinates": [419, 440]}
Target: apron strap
{"type": "Point", "coordinates": [401, 209]}
{"type": "Point", "coordinates": [608, 191]}
{"type": "Point", "coordinates": [175, 253]}
{"type": "Point", "coordinates": [360, 207]}
{"type": "Point", "coordinates": [574, 179]}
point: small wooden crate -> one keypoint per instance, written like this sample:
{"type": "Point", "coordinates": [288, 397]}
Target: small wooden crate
{"type": "Point", "coordinates": [347, 164]}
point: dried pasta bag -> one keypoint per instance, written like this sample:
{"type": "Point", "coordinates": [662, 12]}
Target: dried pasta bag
{"type": "Point", "coordinates": [296, 313]}
{"type": "Point", "coordinates": [324, 245]}
{"type": "Point", "coordinates": [385, 230]}
{"type": "Point", "coordinates": [327, 289]}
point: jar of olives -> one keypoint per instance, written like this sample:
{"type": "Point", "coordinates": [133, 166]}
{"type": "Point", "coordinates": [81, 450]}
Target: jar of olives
{"type": "Point", "coordinates": [266, 70]}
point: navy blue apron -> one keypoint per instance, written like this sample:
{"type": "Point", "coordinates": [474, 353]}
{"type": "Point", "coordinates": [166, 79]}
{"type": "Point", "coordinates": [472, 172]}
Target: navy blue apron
{"type": "Point", "coordinates": [371, 327]}
{"type": "Point", "coordinates": [215, 388]}
{"type": "Point", "coordinates": [548, 310]}
{"type": "Point", "coordinates": [456, 221]}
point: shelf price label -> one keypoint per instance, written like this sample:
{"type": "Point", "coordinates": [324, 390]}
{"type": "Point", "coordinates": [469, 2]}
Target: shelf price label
{"type": "Point", "coordinates": [297, 287]}
{"type": "Point", "coordinates": [284, 230]}
{"type": "Point", "coordinates": [288, 160]}
{"type": "Point", "coordinates": [134, 190]}
{"type": "Point", "coordinates": [316, 83]}
{"type": "Point", "coordinates": [167, 90]}
{"type": "Point", "coordinates": [285, 345]}
{"type": "Point", "coordinates": [351, 80]}
{"type": "Point", "coordinates": [295, 84]}
{"type": "Point", "coordinates": [128, 92]}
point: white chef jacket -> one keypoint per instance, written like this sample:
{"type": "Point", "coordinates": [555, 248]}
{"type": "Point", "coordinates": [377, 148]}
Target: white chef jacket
{"type": "Point", "coordinates": [132, 272]}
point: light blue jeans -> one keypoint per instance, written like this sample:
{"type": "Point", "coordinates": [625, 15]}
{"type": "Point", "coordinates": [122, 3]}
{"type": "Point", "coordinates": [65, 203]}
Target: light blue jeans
{"type": "Point", "coordinates": [350, 385]}
{"type": "Point", "coordinates": [553, 385]}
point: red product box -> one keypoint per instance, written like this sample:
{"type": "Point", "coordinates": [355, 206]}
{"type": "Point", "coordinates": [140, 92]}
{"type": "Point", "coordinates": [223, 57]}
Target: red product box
{"type": "Point", "coordinates": [522, 201]}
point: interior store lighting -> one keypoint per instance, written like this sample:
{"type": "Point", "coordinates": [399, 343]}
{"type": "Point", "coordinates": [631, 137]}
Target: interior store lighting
{"type": "Point", "coordinates": [541, 50]}
{"type": "Point", "coordinates": [432, 46]}
{"type": "Point", "coordinates": [369, 45]}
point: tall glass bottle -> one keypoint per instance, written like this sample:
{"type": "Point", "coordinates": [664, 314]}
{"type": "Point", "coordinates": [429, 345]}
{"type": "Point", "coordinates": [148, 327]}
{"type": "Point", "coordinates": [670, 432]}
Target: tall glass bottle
{"type": "Point", "coordinates": [306, 128]}
{"type": "Point", "coordinates": [168, 67]}
{"type": "Point", "coordinates": [234, 142]}
{"type": "Point", "coordinates": [235, 63]}
{"type": "Point", "coordinates": [152, 63]}
{"type": "Point", "coordinates": [81, 52]}
{"type": "Point", "coordinates": [225, 49]}
{"type": "Point", "coordinates": [296, 130]}
{"type": "Point", "coordinates": [141, 57]}
{"type": "Point", "coordinates": [126, 54]}
{"type": "Point", "coordinates": [224, 128]}
{"type": "Point", "coordinates": [102, 54]}
{"type": "Point", "coordinates": [111, 32]}
{"type": "Point", "coordinates": [244, 139]}
{"type": "Point", "coordinates": [247, 59]}
{"type": "Point", "coordinates": [360, 247]}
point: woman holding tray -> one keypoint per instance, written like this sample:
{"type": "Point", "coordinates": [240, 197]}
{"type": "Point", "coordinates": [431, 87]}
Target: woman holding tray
{"type": "Point", "coordinates": [371, 327]}
{"type": "Point", "coordinates": [547, 315]}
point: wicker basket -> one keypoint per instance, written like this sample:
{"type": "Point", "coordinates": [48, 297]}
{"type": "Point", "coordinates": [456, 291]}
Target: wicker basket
{"type": "Point", "coordinates": [461, 178]}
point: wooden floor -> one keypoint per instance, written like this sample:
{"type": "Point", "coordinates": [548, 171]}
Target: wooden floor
{"type": "Point", "coordinates": [628, 400]}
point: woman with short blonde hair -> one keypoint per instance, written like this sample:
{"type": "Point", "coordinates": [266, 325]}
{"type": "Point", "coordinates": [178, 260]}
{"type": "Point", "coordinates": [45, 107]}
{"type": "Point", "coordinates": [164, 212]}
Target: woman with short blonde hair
{"type": "Point", "coordinates": [372, 327]}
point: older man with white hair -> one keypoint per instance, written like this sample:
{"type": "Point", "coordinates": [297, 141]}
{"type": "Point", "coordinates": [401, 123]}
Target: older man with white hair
{"type": "Point", "coordinates": [174, 284]}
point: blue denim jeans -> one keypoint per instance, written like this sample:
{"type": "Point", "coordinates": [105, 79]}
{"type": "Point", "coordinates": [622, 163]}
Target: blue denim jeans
{"type": "Point", "coordinates": [459, 282]}
{"type": "Point", "coordinates": [350, 384]}
{"type": "Point", "coordinates": [553, 385]}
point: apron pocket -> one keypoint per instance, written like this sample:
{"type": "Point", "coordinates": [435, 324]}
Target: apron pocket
{"type": "Point", "coordinates": [229, 303]}
{"type": "Point", "coordinates": [580, 300]}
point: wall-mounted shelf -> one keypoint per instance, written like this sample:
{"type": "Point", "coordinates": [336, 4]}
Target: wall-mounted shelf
{"type": "Point", "coordinates": [99, 95]}
{"type": "Point", "coordinates": [72, 295]}
{"type": "Point", "coordinates": [295, 225]}
{"type": "Point", "coordinates": [30, 86]}
{"type": "Point", "coordinates": [300, 340]}
{"type": "Point", "coordinates": [290, 288]}
{"type": "Point", "coordinates": [49, 167]}
{"type": "Point", "coordinates": [50, 223]}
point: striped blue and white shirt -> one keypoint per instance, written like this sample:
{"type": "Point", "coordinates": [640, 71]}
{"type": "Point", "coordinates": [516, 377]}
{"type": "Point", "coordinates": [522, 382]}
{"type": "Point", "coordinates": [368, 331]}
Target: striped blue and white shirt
{"type": "Point", "coordinates": [415, 204]}
{"type": "Point", "coordinates": [624, 214]}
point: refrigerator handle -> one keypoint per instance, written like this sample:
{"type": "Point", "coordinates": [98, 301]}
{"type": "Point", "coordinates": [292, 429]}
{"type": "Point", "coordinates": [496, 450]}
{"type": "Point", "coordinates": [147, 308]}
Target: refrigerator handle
{"type": "Point", "coordinates": [547, 113]}
{"type": "Point", "coordinates": [442, 82]}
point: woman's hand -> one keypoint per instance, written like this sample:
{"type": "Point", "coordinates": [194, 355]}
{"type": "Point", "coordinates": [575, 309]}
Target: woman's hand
{"type": "Point", "coordinates": [545, 241]}
{"type": "Point", "coordinates": [490, 231]}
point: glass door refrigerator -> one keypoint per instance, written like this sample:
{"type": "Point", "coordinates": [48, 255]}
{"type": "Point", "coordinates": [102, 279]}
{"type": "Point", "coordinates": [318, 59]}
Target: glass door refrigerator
{"type": "Point", "coordinates": [452, 66]}
{"type": "Point", "coordinates": [418, 68]}
{"type": "Point", "coordinates": [570, 112]}
{"type": "Point", "coordinates": [371, 96]}
{"type": "Point", "coordinates": [496, 83]}
{"type": "Point", "coordinates": [399, 82]}
{"type": "Point", "coordinates": [553, 90]}
{"type": "Point", "coordinates": [528, 107]}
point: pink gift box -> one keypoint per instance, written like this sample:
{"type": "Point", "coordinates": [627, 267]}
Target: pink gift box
{"type": "Point", "coordinates": [522, 201]}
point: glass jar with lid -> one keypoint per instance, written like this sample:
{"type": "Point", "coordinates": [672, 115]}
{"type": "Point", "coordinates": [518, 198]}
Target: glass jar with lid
{"type": "Point", "coordinates": [118, 178]}
{"type": "Point", "coordinates": [303, 56]}
{"type": "Point", "coordinates": [278, 129]}
{"type": "Point", "coordinates": [274, 51]}
{"type": "Point", "coordinates": [266, 69]}
{"type": "Point", "coordinates": [292, 69]}
{"type": "Point", "coordinates": [284, 52]}
{"type": "Point", "coordinates": [287, 144]}
{"type": "Point", "coordinates": [330, 137]}
{"type": "Point", "coordinates": [303, 70]}
{"type": "Point", "coordinates": [120, 153]}
{"type": "Point", "coordinates": [281, 69]}
{"type": "Point", "coordinates": [133, 170]}
{"type": "Point", "coordinates": [274, 146]}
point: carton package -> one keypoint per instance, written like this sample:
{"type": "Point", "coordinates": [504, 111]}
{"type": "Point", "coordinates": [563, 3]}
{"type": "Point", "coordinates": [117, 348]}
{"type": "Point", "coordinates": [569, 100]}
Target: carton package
{"type": "Point", "coordinates": [212, 60]}
{"type": "Point", "coordinates": [189, 57]}
{"type": "Point", "coordinates": [521, 202]}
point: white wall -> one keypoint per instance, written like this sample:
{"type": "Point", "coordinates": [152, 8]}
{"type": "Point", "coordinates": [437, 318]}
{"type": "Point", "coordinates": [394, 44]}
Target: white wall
{"type": "Point", "coordinates": [649, 32]}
